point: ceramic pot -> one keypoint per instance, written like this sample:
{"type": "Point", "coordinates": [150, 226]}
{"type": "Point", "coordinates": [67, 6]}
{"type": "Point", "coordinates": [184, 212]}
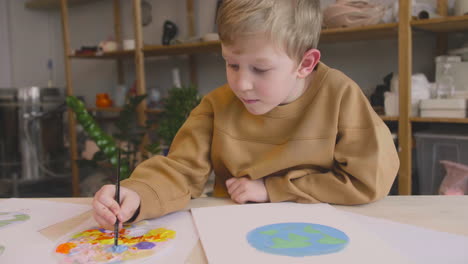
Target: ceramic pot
{"type": "Point", "coordinates": [455, 181]}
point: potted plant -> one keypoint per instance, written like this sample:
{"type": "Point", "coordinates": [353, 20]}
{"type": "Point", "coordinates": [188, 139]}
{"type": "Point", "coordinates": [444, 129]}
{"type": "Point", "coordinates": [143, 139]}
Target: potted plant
{"type": "Point", "coordinates": [129, 134]}
{"type": "Point", "coordinates": [177, 107]}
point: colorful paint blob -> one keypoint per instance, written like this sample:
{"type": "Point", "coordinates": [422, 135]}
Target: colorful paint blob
{"type": "Point", "coordinates": [9, 218]}
{"type": "Point", "coordinates": [96, 245]}
{"type": "Point", "coordinates": [297, 239]}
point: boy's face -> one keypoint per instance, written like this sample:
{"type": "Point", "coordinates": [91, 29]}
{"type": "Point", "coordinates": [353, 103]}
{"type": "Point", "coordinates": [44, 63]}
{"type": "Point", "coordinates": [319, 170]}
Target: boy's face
{"type": "Point", "coordinates": [261, 75]}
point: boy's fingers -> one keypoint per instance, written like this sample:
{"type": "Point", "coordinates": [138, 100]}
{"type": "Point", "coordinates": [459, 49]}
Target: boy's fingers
{"type": "Point", "coordinates": [102, 222]}
{"type": "Point", "coordinates": [230, 181]}
{"type": "Point", "coordinates": [109, 204]}
{"type": "Point", "coordinates": [129, 205]}
{"type": "Point", "coordinates": [106, 197]}
{"type": "Point", "coordinates": [240, 183]}
{"type": "Point", "coordinates": [233, 187]}
{"type": "Point", "coordinates": [241, 197]}
{"type": "Point", "coordinates": [236, 192]}
{"type": "Point", "coordinates": [103, 212]}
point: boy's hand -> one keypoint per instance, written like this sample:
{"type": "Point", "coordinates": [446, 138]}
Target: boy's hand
{"type": "Point", "coordinates": [105, 208]}
{"type": "Point", "coordinates": [243, 190]}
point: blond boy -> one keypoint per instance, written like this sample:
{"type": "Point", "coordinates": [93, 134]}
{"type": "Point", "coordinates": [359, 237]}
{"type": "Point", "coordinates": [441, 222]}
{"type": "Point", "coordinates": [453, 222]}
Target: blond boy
{"type": "Point", "coordinates": [285, 128]}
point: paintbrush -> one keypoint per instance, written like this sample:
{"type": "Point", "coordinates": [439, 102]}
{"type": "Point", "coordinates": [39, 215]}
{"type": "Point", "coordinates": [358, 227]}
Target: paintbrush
{"type": "Point", "coordinates": [117, 199]}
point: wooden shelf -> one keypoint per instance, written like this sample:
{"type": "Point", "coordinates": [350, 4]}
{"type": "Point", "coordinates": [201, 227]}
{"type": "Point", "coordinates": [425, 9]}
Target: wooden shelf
{"type": "Point", "coordinates": [154, 111]}
{"type": "Point", "coordinates": [118, 109]}
{"type": "Point", "coordinates": [107, 55]}
{"type": "Point", "coordinates": [104, 109]}
{"type": "Point", "coordinates": [442, 25]}
{"type": "Point", "coordinates": [328, 36]}
{"type": "Point", "coordinates": [379, 31]}
{"type": "Point", "coordinates": [439, 120]}
{"type": "Point", "coordinates": [389, 118]}
{"type": "Point", "coordinates": [159, 50]}
{"type": "Point", "coordinates": [183, 49]}
{"type": "Point", "coordinates": [53, 4]}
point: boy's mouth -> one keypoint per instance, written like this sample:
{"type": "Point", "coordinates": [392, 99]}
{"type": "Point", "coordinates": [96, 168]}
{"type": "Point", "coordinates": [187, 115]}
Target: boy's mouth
{"type": "Point", "coordinates": [250, 101]}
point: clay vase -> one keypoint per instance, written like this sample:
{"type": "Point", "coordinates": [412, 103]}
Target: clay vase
{"type": "Point", "coordinates": [103, 100]}
{"type": "Point", "coordinates": [455, 181]}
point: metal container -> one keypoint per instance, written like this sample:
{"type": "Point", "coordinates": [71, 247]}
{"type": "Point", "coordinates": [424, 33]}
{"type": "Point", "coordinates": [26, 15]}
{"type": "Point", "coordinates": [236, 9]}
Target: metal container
{"type": "Point", "coordinates": [10, 158]}
{"type": "Point", "coordinates": [32, 132]}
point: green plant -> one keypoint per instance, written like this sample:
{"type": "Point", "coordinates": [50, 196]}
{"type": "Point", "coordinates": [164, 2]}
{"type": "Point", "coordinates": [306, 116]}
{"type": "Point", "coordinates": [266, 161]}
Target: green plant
{"type": "Point", "coordinates": [129, 132]}
{"type": "Point", "coordinates": [177, 107]}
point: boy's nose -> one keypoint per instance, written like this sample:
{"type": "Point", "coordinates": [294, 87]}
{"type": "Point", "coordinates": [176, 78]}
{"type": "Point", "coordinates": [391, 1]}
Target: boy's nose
{"type": "Point", "coordinates": [243, 84]}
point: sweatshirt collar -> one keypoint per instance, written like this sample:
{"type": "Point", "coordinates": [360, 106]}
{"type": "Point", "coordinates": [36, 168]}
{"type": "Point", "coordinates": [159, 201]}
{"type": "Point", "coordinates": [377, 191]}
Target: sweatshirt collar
{"type": "Point", "coordinates": [296, 106]}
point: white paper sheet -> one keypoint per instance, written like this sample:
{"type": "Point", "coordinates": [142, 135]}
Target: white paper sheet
{"type": "Point", "coordinates": [176, 252]}
{"type": "Point", "coordinates": [25, 245]}
{"type": "Point", "coordinates": [421, 245]}
{"type": "Point", "coordinates": [42, 213]}
{"type": "Point", "coordinates": [223, 231]}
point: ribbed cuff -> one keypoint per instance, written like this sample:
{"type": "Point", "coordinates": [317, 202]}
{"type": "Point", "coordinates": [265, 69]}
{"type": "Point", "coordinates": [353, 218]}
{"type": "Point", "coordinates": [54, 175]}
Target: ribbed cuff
{"type": "Point", "coordinates": [277, 192]}
{"type": "Point", "coordinates": [150, 204]}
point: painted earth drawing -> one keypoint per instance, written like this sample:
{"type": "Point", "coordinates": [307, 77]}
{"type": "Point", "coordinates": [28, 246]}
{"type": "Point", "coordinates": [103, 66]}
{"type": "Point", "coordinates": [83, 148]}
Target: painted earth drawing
{"type": "Point", "coordinates": [297, 239]}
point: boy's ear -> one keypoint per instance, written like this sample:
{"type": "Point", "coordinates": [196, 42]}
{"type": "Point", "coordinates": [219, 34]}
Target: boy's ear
{"type": "Point", "coordinates": [309, 61]}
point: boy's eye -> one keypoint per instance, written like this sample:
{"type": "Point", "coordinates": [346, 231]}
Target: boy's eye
{"type": "Point", "coordinates": [233, 66]}
{"type": "Point", "coordinates": [258, 70]}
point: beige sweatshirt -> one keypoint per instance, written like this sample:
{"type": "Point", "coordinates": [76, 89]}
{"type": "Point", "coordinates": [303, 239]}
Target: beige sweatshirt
{"type": "Point", "coordinates": [327, 146]}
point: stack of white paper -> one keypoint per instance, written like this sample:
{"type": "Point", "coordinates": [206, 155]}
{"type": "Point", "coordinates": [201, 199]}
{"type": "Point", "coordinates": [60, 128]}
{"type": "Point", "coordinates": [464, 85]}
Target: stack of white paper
{"type": "Point", "coordinates": [223, 232]}
{"type": "Point", "coordinates": [21, 240]}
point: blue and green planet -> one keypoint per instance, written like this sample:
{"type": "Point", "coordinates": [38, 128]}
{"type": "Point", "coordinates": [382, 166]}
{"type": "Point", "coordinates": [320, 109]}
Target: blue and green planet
{"type": "Point", "coordinates": [297, 239]}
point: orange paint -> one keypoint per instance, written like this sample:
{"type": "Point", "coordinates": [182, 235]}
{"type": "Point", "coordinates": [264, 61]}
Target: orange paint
{"type": "Point", "coordinates": [65, 248]}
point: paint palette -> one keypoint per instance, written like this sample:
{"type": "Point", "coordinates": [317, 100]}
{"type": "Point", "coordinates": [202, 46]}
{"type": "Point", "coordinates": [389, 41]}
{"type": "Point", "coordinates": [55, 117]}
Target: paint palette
{"type": "Point", "coordinates": [9, 218]}
{"type": "Point", "coordinates": [96, 245]}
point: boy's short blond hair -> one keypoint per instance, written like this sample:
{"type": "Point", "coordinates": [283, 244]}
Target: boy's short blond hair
{"type": "Point", "coordinates": [293, 25]}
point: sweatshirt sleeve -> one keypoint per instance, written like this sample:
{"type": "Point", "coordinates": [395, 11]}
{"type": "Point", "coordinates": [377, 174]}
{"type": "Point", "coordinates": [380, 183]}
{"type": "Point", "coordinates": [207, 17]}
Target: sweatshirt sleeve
{"type": "Point", "coordinates": [166, 184]}
{"type": "Point", "coordinates": [365, 161]}
{"type": "Point", "coordinates": [366, 164]}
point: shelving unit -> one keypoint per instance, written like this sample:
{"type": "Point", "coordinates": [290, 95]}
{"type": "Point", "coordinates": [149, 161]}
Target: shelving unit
{"type": "Point", "coordinates": [439, 120]}
{"type": "Point", "coordinates": [372, 32]}
{"type": "Point", "coordinates": [54, 4]}
{"type": "Point", "coordinates": [182, 49]}
{"type": "Point", "coordinates": [68, 73]}
{"type": "Point", "coordinates": [106, 55]}
{"type": "Point", "coordinates": [405, 60]}
{"type": "Point", "coordinates": [402, 31]}
{"type": "Point", "coordinates": [138, 54]}
{"type": "Point", "coordinates": [104, 109]}
{"type": "Point", "coordinates": [389, 118]}
{"type": "Point", "coordinates": [442, 25]}
{"type": "Point", "coordinates": [380, 31]}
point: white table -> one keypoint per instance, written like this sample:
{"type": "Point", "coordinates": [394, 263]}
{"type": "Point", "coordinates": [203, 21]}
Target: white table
{"type": "Point", "coordinates": [440, 213]}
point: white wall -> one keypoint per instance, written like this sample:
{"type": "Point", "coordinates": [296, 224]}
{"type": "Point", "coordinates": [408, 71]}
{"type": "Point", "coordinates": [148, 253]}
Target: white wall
{"type": "Point", "coordinates": [34, 40]}
{"type": "Point", "coordinates": [92, 23]}
{"type": "Point", "coordinates": [36, 36]}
